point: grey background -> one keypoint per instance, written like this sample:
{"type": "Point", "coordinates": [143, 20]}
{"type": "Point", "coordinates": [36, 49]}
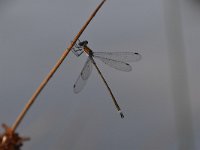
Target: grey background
{"type": "Point", "coordinates": [33, 35]}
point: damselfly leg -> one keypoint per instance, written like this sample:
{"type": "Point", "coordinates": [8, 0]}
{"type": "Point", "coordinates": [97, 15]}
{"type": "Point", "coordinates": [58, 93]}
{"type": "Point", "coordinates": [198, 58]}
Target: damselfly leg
{"type": "Point", "coordinates": [77, 49]}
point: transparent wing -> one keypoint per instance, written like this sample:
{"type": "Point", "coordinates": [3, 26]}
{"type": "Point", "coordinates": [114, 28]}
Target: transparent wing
{"type": "Point", "coordinates": [84, 75]}
{"type": "Point", "coordinates": [116, 64]}
{"type": "Point", "coordinates": [119, 56]}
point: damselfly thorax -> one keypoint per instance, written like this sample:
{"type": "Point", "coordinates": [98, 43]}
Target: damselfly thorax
{"type": "Point", "coordinates": [82, 47]}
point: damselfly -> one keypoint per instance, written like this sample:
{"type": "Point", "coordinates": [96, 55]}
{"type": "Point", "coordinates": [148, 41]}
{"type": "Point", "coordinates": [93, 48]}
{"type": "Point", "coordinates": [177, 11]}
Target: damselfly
{"type": "Point", "coordinates": [117, 60]}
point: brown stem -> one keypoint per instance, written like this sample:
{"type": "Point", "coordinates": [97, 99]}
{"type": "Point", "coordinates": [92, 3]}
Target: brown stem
{"type": "Point", "coordinates": [51, 73]}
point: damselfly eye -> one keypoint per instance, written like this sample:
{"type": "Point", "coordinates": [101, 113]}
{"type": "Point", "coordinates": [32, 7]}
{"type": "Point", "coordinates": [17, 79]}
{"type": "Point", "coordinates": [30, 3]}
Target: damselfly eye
{"type": "Point", "coordinates": [84, 43]}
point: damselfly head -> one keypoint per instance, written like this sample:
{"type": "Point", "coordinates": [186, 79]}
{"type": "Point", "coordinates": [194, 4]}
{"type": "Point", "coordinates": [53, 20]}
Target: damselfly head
{"type": "Point", "coordinates": [84, 43]}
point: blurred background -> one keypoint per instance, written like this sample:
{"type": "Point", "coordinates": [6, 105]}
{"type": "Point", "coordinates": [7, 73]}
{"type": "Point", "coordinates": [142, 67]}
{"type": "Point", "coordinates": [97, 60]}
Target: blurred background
{"type": "Point", "coordinates": [160, 97]}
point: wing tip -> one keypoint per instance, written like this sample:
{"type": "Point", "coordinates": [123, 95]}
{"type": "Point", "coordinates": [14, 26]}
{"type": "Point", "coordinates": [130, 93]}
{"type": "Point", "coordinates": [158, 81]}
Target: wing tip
{"type": "Point", "coordinates": [74, 89]}
{"type": "Point", "coordinates": [139, 56]}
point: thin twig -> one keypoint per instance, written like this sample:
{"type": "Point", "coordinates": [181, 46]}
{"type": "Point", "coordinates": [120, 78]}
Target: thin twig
{"type": "Point", "coordinates": [54, 69]}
